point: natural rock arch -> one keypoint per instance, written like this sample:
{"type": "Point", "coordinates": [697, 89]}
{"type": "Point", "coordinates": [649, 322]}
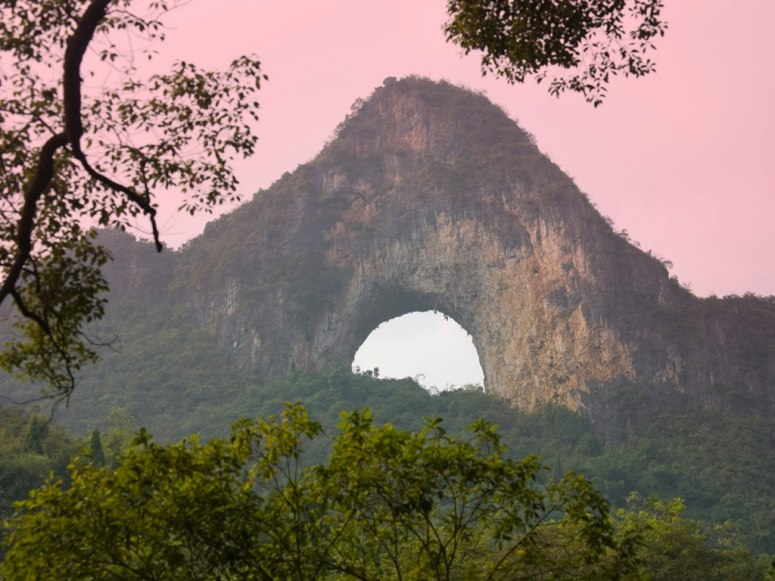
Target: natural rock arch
{"type": "Point", "coordinates": [429, 346]}
{"type": "Point", "coordinates": [430, 197]}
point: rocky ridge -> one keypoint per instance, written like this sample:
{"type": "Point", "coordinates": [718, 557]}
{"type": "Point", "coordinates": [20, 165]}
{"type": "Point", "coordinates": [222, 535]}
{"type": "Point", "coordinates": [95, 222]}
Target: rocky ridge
{"type": "Point", "coordinates": [430, 197]}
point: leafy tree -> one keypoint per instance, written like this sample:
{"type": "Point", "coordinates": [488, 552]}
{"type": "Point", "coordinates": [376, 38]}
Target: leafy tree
{"type": "Point", "coordinates": [102, 155]}
{"type": "Point", "coordinates": [96, 453]}
{"type": "Point", "coordinates": [33, 437]}
{"type": "Point", "coordinates": [675, 548]}
{"type": "Point", "coordinates": [427, 505]}
{"type": "Point", "coordinates": [24, 466]}
{"type": "Point", "coordinates": [576, 46]}
{"type": "Point", "coordinates": [120, 433]}
{"type": "Point", "coordinates": [388, 504]}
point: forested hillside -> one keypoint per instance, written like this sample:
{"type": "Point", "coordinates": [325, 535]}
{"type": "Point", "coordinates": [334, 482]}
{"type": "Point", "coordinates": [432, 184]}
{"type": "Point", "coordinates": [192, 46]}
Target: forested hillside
{"type": "Point", "coordinates": [164, 373]}
{"type": "Point", "coordinates": [694, 456]}
{"type": "Point", "coordinates": [719, 464]}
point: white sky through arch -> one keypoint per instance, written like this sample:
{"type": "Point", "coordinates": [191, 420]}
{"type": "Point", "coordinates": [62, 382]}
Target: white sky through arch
{"type": "Point", "coordinates": [429, 346]}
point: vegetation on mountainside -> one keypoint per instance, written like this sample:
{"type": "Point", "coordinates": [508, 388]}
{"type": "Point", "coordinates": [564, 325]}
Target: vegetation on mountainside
{"type": "Point", "coordinates": [31, 448]}
{"type": "Point", "coordinates": [674, 548]}
{"type": "Point", "coordinates": [384, 504]}
{"type": "Point", "coordinates": [720, 464]}
{"type": "Point", "coordinates": [34, 448]}
{"type": "Point", "coordinates": [176, 382]}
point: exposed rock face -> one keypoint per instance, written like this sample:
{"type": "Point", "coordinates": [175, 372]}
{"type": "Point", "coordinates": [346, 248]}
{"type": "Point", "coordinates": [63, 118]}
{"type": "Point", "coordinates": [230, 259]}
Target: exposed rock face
{"type": "Point", "coordinates": [429, 198]}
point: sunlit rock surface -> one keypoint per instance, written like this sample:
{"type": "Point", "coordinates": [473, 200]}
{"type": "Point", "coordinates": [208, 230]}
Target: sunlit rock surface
{"type": "Point", "coordinates": [430, 197]}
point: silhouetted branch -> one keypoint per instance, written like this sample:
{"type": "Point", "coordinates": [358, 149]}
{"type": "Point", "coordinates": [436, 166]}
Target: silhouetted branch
{"type": "Point", "coordinates": [40, 181]}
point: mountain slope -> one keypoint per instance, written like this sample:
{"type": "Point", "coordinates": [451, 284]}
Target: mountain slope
{"type": "Point", "coordinates": [430, 197]}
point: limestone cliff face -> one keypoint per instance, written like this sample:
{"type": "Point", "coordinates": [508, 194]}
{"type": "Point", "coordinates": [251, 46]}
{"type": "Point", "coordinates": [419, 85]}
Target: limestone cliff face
{"type": "Point", "coordinates": [429, 198]}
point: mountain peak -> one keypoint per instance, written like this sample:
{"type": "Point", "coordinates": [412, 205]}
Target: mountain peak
{"type": "Point", "coordinates": [419, 114]}
{"type": "Point", "coordinates": [431, 198]}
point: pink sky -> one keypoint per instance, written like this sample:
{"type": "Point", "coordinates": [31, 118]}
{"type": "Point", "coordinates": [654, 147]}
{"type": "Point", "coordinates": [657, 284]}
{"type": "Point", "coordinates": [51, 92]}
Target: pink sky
{"type": "Point", "coordinates": [683, 160]}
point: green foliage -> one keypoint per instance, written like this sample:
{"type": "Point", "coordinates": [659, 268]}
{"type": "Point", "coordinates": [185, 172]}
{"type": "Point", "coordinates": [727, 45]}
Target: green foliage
{"type": "Point", "coordinates": [165, 377]}
{"type": "Point", "coordinates": [427, 505]}
{"type": "Point", "coordinates": [674, 548]}
{"type": "Point", "coordinates": [387, 504]}
{"type": "Point", "coordinates": [63, 291]}
{"type": "Point", "coordinates": [577, 46]}
{"type": "Point", "coordinates": [100, 157]}
{"type": "Point", "coordinates": [96, 453]}
{"type": "Point", "coordinates": [33, 437]}
{"type": "Point", "coordinates": [178, 384]}
{"type": "Point", "coordinates": [119, 434]}
{"type": "Point", "coordinates": [31, 448]}
{"type": "Point", "coordinates": [718, 463]}
{"type": "Point", "coordinates": [668, 460]}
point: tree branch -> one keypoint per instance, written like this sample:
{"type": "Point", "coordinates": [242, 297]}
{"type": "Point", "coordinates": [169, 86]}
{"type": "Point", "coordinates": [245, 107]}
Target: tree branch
{"type": "Point", "coordinates": [71, 81]}
{"type": "Point", "coordinates": [40, 181]}
{"type": "Point", "coordinates": [32, 315]}
{"type": "Point", "coordinates": [76, 48]}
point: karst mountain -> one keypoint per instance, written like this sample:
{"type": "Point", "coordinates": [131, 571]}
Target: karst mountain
{"type": "Point", "coordinates": [429, 197]}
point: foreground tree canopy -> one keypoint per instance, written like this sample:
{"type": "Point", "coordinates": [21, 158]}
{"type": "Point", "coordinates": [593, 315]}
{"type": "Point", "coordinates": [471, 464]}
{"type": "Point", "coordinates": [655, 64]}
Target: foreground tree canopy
{"type": "Point", "coordinates": [387, 504]}
{"type": "Point", "coordinates": [71, 156]}
{"type": "Point", "coordinates": [79, 146]}
{"type": "Point", "coordinates": [575, 45]}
